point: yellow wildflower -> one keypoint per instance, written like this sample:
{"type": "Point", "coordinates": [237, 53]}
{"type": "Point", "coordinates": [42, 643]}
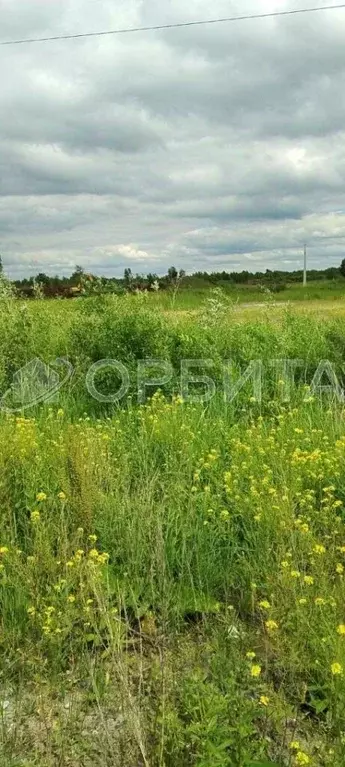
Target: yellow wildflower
{"type": "Point", "coordinates": [302, 758]}
{"type": "Point", "coordinates": [92, 538]}
{"type": "Point", "coordinates": [62, 496]}
{"type": "Point", "coordinates": [255, 670]}
{"type": "Point", "coordinates": [308, 580]}
{"type": "Point", "coordinates": [336, 669]}
{"type": "Point", "coordinates": [265, 605]}
{"type": "Point", "coordinates": [35, 516]}
{"type": "Point", "coordinates": [103, 558]}
{"type": "Point", "coordinates": [339, 568]}
{"type": "Point", "coordinates": [341, 629]}
{"type": "Point", "coordinates": [320, 601]}
{"type": "Point", "coordinates": [271, 626]}
{"type": "Point", "coordinates": [319, 549]}
{"type": "Point", "coordinates": [250, 655]}
{"type": "Point", "coordinates": [41, 497]}
{"type": "Point", "coordinates": [264, 700]}
{"type": "Point", "coordinates": [3, 550]}
{"type": "Point", "coordinates": [71, 598]}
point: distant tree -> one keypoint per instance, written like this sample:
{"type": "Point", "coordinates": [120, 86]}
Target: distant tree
{"type": "Point", "coordinates": [42, 279]}
{"type": "Point", "coordinates": [128, 277]}
{"type": "Point", "coordinates": [1, 265]}
{"type": "Point", "coordinates": [342, 268]}
{"type": "Point", "coordinates": [172, 274]}
{"type": "Point", "coordinates": [151, 279]}
{"type": "Point", "coordinates": [77, 276]}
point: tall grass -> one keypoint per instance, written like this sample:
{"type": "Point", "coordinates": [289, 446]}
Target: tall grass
{"type": "Point", "coordinates": [171, 574]}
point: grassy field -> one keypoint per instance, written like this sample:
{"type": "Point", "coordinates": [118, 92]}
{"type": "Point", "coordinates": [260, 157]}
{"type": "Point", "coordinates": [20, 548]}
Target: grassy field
{"type": "Point", "coordinates": [172, 572]}
{"type": "Point", "coordinates": [191, 298]}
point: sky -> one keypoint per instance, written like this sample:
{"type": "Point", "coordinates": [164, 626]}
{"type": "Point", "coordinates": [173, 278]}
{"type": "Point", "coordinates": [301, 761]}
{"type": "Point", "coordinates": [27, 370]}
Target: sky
{"type": "Point", "coordinates": [210, 148]}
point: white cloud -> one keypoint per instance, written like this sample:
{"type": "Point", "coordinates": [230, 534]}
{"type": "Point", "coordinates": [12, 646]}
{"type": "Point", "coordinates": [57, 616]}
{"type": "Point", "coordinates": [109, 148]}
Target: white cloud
{"type": "Point", "coordinates": [212, 147]}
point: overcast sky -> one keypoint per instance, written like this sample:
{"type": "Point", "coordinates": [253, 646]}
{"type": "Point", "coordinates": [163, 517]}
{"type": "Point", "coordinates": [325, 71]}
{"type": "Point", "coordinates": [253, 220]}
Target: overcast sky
{"type": "Point", "coordinates": [214, 147]}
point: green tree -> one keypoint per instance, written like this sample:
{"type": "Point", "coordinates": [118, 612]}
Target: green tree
{"type": "Point", "coordinates": [172, 274]}
{"type": "Point", "coordinates": [128, 277]}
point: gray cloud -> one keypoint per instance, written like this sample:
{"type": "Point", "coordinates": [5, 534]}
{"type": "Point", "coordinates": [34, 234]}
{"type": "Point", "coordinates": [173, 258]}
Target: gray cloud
{"type": "Point", "coordinates": [208, 147]}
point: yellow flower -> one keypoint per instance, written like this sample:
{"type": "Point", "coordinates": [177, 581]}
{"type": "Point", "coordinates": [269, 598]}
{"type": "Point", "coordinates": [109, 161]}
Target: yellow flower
{"type": "Point", "coordinates": [255, 670]}
{"type": "Point", "coordinates": [339, 569]}
{"type": "Point", "coordinates": [71, 598]}
{"type": "Point", "coordinates": [3, 550]}
{"type": "Point", "coordinates": [320, 601]}
{"type": "Point", "coordinates": [295, 574]}
{"type": "Point", "coordinates": [31, 611]}
{"type": "Point", "coordinates": [308, 580]}
{"type": "Point", "coordinates": [271, 626]}
{"type": "Point", "coordinates": [341, 629]}
{"type": "Point", "coordinates": [62, 496]}
{"type": "Point", "coordinates": [319, 549]}
{"type": "Point", "coordinates": [294, 745]}
{"type": "Point", "coordinates": [265, 605]}
{"type": "Point", "coordinates": [336, 669]}
{"type": "Point", "coordinates": [93, 554]}
{"type": "Point", "coordinates": [302, 601]}
{"type": "Point", "coordinates": [264, 700]}
{"type": "Point", "coordinates": [302, 758]}
{"type": "Point", "coordinates": [35, 516]}
{"type": "Point", "coordinates": [92, 538]}
{"type": "Point", "coordinates": [284, 564]}
{"type": "Point", "coordinates": [41, 497]}
{"type": "Point", "coordinates": [250, 655]}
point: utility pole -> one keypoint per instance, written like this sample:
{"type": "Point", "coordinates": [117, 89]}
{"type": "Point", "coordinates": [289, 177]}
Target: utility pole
{"type": "Point", "coordinates": [305, 267]}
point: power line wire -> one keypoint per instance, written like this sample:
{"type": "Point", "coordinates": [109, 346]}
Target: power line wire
{"type": "Point", "coordinates": [173, 26]}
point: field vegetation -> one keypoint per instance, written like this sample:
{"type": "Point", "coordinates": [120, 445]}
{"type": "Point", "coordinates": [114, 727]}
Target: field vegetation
{"type": "Point", "coordinates": [172, 572]}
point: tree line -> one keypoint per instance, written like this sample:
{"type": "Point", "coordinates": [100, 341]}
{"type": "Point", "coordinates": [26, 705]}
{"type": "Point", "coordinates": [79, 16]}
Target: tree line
{"type": "Point", "coordinates": [81, 282]}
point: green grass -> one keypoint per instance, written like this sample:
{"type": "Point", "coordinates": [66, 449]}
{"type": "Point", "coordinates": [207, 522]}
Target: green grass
{"type": "Point", "coordinates": [191, 296]}
{"type": "Point", "coordinates": [171, 574]}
